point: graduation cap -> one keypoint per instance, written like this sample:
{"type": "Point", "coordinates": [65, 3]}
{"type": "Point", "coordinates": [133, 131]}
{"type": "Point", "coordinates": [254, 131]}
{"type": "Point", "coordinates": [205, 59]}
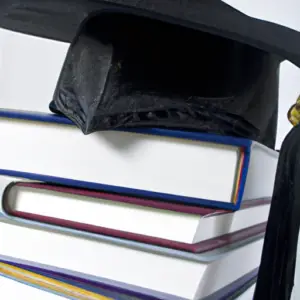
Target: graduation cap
{"type": "Point", "coordinates": [194, 65]}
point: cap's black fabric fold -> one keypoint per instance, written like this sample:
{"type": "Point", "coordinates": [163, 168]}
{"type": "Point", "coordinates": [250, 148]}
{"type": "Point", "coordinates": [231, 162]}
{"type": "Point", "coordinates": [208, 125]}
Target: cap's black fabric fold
{"type": "Point", "coordinates": [125, 71]}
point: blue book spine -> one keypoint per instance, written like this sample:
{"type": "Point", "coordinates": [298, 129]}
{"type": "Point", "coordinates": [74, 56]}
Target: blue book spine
{"type": "Point", "coordinates": [244, 144]}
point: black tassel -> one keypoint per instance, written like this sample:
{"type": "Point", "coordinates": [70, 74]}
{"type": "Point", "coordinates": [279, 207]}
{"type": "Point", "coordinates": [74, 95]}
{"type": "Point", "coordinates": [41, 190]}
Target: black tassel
{"type": "Point", "coordinates": [277, 270]}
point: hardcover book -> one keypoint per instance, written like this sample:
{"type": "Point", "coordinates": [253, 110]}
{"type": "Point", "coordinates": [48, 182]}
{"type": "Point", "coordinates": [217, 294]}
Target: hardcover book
{"type": "Point", "coordinates": [167, 165]}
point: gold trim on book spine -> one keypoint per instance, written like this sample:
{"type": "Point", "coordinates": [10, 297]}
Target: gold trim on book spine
{"type": "Point", "coordinates": [238, 175]}
{"type": "Point", "coordinates": [49, 283]}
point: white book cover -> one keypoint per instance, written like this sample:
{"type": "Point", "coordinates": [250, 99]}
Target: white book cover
{"type": "Point", "coordinates": [184, 167]}
{"type": "Point", "coordinates": [189, 228]}
{"type": "Point", "coordinates": [110, 258]}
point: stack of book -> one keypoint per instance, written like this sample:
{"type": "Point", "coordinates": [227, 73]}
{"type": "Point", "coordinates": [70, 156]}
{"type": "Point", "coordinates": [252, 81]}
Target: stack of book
{"type": "Point", "coordinates": [142, 213]}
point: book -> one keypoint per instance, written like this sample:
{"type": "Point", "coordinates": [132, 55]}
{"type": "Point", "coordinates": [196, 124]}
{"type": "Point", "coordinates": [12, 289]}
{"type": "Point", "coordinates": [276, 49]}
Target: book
{"type": "Point", "coordinates": [92, 282]}
{"type": "Point", "coordinates": [48, 284]}
{"type": "Point", "coordinates": [132, 263]}
{"type": "Point", "coordinates": [14, 290]}
{"type": "Point", "coordinates": [66, 283]}
{"type": "Point", "coordinates": [171, 225]}
{"type": "Point", "coordinates": [184, 167]}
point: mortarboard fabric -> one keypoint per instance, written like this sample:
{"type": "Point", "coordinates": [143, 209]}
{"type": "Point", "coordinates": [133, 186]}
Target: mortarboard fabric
{"type": "Point", "coordinates": [232, 87]}
{"type": "Point", "coordinates": [127, 68]}
{"type": "Point", "coordinates": [125, 71]}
